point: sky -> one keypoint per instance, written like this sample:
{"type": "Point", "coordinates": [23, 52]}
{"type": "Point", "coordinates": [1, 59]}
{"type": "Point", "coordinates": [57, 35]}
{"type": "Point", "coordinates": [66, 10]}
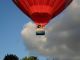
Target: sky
{"type": "Point", "coordinates": [61, 40]}
{"type": "Point", "coordinates": [12, 21]}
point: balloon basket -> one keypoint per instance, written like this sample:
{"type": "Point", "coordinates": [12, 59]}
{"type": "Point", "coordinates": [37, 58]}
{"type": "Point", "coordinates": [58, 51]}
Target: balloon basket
{"type": "Point", "coordinates": [40, 30]}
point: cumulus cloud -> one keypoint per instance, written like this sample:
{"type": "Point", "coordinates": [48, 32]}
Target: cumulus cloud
{"type": "Point", "coordinates": [62, 38]}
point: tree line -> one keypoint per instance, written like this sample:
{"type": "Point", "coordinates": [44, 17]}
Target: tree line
{"type": "Point", "coordinates": [14, 57]}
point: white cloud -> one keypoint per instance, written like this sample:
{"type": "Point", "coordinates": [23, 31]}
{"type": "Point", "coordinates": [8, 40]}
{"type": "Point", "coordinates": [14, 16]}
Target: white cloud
{"type": "Point", "coordinates": [62, 39]}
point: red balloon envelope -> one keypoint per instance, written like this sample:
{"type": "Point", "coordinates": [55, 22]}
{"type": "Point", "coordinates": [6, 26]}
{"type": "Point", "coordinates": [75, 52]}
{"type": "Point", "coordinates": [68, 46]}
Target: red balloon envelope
{"type": "Point", "coordinates": [42, 11]}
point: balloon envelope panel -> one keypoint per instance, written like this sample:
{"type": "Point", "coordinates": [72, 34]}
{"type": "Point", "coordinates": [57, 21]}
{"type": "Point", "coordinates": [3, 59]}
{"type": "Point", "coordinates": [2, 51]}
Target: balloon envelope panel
{"type": "Point", "coordinates": [42, 11]}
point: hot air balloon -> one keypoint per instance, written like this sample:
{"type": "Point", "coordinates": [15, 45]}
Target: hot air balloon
{"type": "Point", "coordinates": [42, 11]}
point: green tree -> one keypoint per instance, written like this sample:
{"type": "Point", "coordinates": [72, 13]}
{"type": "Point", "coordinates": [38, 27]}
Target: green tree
{"type": "Point", "coordinates": [30, 58]}
{"type": "Point", "coordinates": [25, 58]}
{"type": "Point", "coordinates": [11, 57]}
